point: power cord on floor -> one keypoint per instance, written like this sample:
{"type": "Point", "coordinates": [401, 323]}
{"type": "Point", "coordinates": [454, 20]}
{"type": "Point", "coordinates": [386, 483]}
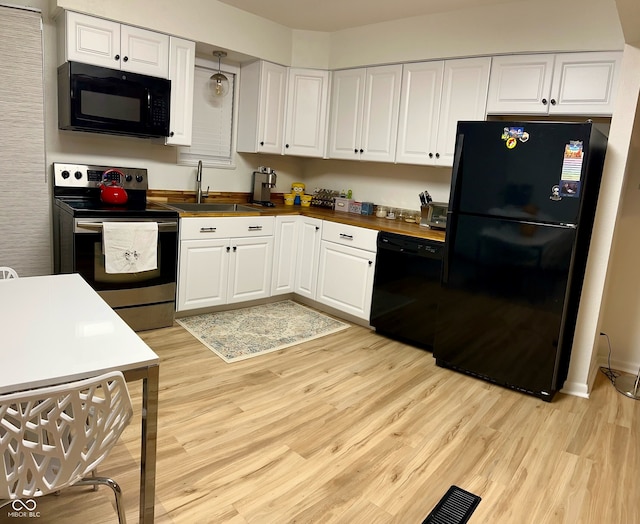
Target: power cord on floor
{"type": "Point", "coordinates": [609, 373]}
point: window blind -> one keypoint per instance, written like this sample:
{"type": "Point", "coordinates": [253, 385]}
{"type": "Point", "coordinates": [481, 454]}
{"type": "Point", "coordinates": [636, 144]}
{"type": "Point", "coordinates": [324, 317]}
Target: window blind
{"type": "Point", "coordinates": [25, 201]}
{"type": "Point", "coordinates": [212, 135]}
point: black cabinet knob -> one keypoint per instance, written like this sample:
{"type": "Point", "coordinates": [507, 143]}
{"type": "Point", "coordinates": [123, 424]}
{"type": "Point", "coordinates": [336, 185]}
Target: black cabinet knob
{"type": "Point", "coordinates": [317, 228]}
{"type": "Point", "coordinates": [228, 249]}
{"type": "Point", "coordinates": [362, 150]}
{"type": "Point", "coordinates": [117, 57]}
{"type": "Point", "coordinates": [355, 151]}
{"type": "Point", "coordinates": [430, 155]}
{"type": "Point", "coordinates": [553, 101]}
{"type": "Point", "coordinates": [437, 155]}
{"type": "Point", "coordinates": [234, 248]}
{"type": "Point", "coordinates": [287, 146]}
{"type": "Point", "coordinates": [171, 133]}
{"type": "Point", "coordinates": [544, 101]}
{"type": "Point", "coordinates": [370, 262]}
{"type": "Point", "coordinates": [125, 59]}
{"type": "Point", "coordinates": [261, 143]}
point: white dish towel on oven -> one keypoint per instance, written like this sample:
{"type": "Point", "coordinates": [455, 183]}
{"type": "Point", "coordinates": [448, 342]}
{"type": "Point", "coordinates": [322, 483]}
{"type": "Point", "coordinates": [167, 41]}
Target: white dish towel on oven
{"type": "Point", "coordinates": [130, 247]}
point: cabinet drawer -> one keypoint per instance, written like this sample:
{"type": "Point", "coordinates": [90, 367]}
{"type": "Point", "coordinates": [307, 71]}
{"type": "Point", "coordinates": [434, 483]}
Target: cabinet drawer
{"type": "Point", "coordinates": [200, 228]}
{"type": "Point", "coordinates": [357, 237]}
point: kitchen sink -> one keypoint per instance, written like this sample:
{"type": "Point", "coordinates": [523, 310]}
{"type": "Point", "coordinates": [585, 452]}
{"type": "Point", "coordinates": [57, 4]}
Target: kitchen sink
{"type": "Point", "coordinates": [210, 207]}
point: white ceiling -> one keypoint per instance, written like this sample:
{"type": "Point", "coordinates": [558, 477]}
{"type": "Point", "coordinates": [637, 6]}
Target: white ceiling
{"type": "Point", "coordinates": [334, 15]}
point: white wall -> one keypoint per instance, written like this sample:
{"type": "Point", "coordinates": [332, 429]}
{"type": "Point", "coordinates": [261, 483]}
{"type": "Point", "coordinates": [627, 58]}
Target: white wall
{"type": "Point", "coordinates": [516, 27]}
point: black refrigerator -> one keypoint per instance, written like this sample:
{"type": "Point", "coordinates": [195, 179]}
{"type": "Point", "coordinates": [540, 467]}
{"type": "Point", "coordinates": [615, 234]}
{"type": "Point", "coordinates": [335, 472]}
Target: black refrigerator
{"type": "Point", "coordinates": [521, 210]}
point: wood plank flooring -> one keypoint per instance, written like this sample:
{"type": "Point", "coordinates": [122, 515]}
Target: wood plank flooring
{"type": "Point", "coordinates": [356, 428]}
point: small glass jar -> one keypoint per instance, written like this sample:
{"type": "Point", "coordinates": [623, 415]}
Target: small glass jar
{"type": "Point", "coordinates": [381, 211]}
{"type": "Point", "coordinates": [391, 213]}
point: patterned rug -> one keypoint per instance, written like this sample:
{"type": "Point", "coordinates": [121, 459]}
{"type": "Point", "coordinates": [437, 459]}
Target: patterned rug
{"type": "Point", "coordinates": [244, 333]}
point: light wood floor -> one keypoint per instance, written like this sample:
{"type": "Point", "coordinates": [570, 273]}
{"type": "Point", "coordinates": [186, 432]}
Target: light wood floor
{"type": "Point", "coordinates": [356, 428]}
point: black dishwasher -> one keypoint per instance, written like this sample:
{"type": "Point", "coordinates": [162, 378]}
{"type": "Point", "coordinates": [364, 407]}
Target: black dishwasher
{"type": "Point", "coordinates": [406, 286]}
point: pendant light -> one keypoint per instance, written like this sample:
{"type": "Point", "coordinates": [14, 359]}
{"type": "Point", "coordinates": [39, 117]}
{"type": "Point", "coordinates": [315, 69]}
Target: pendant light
{"type": "Point", "coordinates": [218, 83]}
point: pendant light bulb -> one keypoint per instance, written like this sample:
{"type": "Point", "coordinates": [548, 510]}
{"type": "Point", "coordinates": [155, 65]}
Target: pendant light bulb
{"type": "Point", "coordinates": [219, 83]}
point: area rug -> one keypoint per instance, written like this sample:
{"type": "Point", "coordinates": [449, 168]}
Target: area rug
{"type": "Point", "coordinates": [244, 333]}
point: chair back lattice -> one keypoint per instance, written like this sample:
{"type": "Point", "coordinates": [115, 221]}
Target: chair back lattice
{"type": "Point", "coordinates": [53, 436]}
{"type": "Point", "coordinates": [7, 272]}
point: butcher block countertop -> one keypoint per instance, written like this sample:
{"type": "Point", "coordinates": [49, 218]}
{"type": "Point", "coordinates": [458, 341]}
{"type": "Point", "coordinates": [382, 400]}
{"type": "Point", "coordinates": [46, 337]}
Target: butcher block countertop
{"type": "Point", "coordinates": [368, 221]}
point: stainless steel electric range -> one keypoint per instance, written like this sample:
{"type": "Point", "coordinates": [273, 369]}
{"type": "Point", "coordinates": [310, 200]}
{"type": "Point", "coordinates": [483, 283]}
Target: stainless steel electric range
{"type": "Point", "coordinates": [145, 300]}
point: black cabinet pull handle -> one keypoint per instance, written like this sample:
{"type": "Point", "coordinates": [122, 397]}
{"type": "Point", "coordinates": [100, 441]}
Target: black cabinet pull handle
{"type": "Point", "coordinates": [544, 101]}
{"type": "Point", "coordinates": [345, 236]}
{"type": "Point", "coordinates": [117, 57]}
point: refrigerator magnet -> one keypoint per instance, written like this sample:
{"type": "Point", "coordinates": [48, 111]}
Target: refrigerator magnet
{"type": "Point", "coordinates": [555, 193]}
{"type": "Point", "coordinates": [571, 169]}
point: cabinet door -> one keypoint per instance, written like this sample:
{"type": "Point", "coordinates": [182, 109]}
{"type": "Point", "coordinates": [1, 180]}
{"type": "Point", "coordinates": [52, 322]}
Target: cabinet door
{"type": "Point", "coordinates": [380, 113]}
{"type": "Point", "coordinates": [271, 108]}
{"type": "Point", "coordinates": [585, 83]}
{"type": "Point", "coordinates": [285, 255]}
{"type": "Point", "coordinates": [347, 96]}
{"type": "Point", "coordinates": [92, 40]}
{"type": "Point", "coordinates": [345, 279]}
{"type": "Point", "coordinates": [202, 276]}
{"type": "Point", "coordinates": [306, 117]}
{"type": "Point", "coordinates": [520, 84]}
{"type": "Point", "coordinates": [144, 52]}
{"type": "Point", "coordinates": [419, 112]}
{"type": "Point", "coordinates": [464, 97]}
{"type": "Point", "coordinates": [309, 236]}
{"type": "Point", "coordinates": [181, 73]}
{"type": "Point", "coordinates": [250, 268]}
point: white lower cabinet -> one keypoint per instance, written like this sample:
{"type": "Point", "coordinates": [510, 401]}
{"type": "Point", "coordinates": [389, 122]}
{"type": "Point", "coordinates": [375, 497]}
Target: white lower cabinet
{"type": "Point", "coordinates": [347, 265]}
{"type": "Point", "coordinates": [224, 260]}
{"type": "Point", "coordinates": [309, 237]}
{"type": "Point", "coordinates": [285, 254]}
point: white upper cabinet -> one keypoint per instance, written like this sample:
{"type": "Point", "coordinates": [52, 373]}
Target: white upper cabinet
{"type": "Point", "coordinates": [110, 44]}
{"type": "Point", "coordinates": [562, 84]}
{"type": "Point", "coordinates": [261, 108]}
{"type": "Point", "coordinates": [306, 115]}
{"type": "Point", "coordinates": [181, 73]}
{"type": "Point", "coordinates": [364, 113]}
{"type": "Point", "coordinates": [435, 96]}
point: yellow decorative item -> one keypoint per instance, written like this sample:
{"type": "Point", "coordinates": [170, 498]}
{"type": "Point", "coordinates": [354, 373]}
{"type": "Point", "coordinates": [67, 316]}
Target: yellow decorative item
{"type": "Point", "coordinates": [297, 188]}
{"type": "Point", "coordinates": [288, 199]}
{"type": "Point", "coordinates": [305, 200]}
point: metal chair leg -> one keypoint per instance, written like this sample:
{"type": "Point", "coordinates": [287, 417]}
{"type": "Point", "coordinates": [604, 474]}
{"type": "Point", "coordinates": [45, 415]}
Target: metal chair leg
{"type": "Point", "coordinates": [103, 481]}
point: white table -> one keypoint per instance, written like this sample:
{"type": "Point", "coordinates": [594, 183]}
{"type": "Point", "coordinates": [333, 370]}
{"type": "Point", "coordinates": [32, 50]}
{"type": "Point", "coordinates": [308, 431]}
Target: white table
{"type": "Point", "coordinates": [57, 329]}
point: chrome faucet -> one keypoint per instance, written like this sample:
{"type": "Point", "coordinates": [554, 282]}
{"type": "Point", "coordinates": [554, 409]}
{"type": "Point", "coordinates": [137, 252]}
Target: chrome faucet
{"type": "Point", "coordinates": [199, 193]}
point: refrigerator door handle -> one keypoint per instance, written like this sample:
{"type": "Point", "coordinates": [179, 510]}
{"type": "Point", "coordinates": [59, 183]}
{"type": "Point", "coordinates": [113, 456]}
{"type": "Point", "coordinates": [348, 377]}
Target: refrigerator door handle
{"type": "Point", "coordinates": [453, 206]}
{"type": "Point", "coordinates": [457, 160]}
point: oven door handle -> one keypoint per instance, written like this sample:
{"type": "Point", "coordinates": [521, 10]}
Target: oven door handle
{"type": "Point", "coordinates": [94, 227]}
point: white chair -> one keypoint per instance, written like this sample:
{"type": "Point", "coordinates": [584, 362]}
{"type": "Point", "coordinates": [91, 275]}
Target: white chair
{"type": "Point", "coordinates": [53, 437]}
{"type": "Point", "coordinates": [7, 272]}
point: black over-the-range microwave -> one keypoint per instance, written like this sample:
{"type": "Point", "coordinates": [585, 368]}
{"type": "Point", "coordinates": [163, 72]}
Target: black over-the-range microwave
{"type": "Point", "coordinates": [102, 100]}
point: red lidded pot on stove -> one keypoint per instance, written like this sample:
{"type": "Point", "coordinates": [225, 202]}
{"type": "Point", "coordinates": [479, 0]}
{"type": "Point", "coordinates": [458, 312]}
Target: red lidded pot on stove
{"type": "Point", "coordinates": [111, 191]}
